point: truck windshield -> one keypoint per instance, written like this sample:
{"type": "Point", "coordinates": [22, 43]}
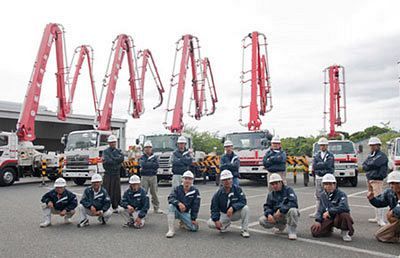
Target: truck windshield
{"type": "Point", "coordinates": [241, 141]}
{"type": "Point", "coordinates": [398, 147]}
{"type": "Point", "coordinates": [81, 141]}
{"type": "Point", "coordinates": [338, 148]}
{"type": "Point", "coordinates": [163, 143]}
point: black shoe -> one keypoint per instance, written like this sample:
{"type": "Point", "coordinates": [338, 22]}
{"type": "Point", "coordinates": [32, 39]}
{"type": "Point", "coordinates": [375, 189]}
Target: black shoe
{"type": "Point", "coordinates": [102, 220]}
{"type": "Point", "coordinates": [130, 224]}
{"type": "Point", "coordinates": [83, 223]}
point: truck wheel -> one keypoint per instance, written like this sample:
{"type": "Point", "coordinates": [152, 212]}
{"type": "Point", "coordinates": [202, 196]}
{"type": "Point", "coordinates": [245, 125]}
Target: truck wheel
{"type": "Point", "coordinates": [79, 181]}
{"type": "Point", "coordinates": [7, 176]}
{"type": "Point", "coordinates": [354, 181]}
{"type": "Point", "coordinates": [53, 176]}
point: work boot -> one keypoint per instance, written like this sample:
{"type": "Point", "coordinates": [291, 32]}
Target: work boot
{"type": "Point", "coordinates": [313, 215]}
{"type": "Point", "coordinates": [245, 234]}
{"type": "Point", "coordinates": [292, 235]}
{"type": "Point", "coordinates": [381, 217]}
{"type": "Point", "coordinates": [171, 229]}
{"type": "Point", "coordinates": [345, 236]}
{"type": "Point", "coordinates": [45, 224]}
{"type": "Point", "coordinates": [225, 228]}
{"type": "Point", "coordinates": [83, 223]}
{"type": "Point", "coordinates": [158, 211]}
{"type": "Point", "coordinates": [278, 229]}
{"type": "Point", "coordinates": [374, 220]}
{"type": "Point", "coordinates": [101, 220]}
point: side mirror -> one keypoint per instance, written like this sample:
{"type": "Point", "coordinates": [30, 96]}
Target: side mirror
{"type": "Point", "coordinates": [137, 141]}
{"type": "Point", "coordinates": [360, 148]}
{"type": "Point", "coordinates": [100, 154]}
{"type": "Point", "coordinates": [64, 140]}
{"type": "Point", "coordinates": [223, 139]}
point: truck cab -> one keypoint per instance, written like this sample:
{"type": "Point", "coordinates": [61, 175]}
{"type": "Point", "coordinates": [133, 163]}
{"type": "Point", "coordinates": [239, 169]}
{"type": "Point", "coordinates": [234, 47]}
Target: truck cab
{"type": "Point", "coordinates": [83, 154]}
{"type": "Point", "coordinates": [346, 167]}
{"type": "Point", "coordinates": [8, 158]}
{"type": "Point", "coordinates": [251, 148]}
{"type": "Point", "coordinates": [163, 146]}
{"type": "Point", "coordinates": [394, 154]}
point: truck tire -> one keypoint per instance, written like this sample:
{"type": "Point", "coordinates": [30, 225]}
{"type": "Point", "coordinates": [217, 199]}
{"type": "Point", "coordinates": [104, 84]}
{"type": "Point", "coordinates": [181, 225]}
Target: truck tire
{"type": "Point", "coordinates": [79, 180]}
{"type": "Point", "coordinates": [7, 176]}
{"type": "Point", "coordinates": [354, 181]}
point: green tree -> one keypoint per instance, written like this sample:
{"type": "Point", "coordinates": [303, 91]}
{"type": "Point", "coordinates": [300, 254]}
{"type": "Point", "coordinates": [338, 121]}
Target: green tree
{"type": "Point", "coordinates": [205, 141]}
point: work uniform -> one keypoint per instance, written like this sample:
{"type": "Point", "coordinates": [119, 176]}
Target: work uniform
{"type": "Point", "coordinates": [222, 201]}
{"type": "Point", "coordinates": [112, 163]}
{"type": "Point", "coordinates": [181, 162]}
{"type": "Point", "coordinates": [274, 161]}
{"type": "Point", "coordinates": [285, 201]}
{"type": "Point", "coordinates": [191, 200]}
{"type": "Point", "coordinates": [148, 172]}
{"type": "Point", "coordinates": [231, 162]}
{"type": "Point", "coordinates": [66, 201]}
{"type": "Point", "coordinates": [99, 200]}
{"type": "Point", "coordinates": [139, 201]}
{"type": "Point", "coordinates": [391, 232]}
{"type": "Point", "coordinates": [323, 163]}
{"type": "Point", "coordinates": [337, 205]}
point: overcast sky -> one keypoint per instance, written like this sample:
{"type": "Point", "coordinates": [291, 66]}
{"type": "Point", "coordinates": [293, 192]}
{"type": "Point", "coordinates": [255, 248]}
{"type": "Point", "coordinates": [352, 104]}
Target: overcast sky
{"type": "Point", "coordinates": [304, 37]}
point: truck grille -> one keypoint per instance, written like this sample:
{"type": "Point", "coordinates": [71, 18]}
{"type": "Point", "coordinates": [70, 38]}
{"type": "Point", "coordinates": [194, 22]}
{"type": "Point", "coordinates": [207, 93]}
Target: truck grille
{"type": "Point", "coordinates": [164, 162]}
{"type": "Point", "coordinates": [77, 161]}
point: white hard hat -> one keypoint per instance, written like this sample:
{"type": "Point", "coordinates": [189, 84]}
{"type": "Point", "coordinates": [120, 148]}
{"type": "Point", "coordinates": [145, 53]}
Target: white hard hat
{"type": "Point", "coordinates": [228, 143]}
{"type": "Point", "coordinates": [323, 141]}
{"type": "Point", "coordinates": [112, 138]}
{"type": "Point", "coordinates": [182, 139]}
{"type": "Point", "coordinates": [394, 177]}
{"type": "Point", "coordinates": [374, 141]}
{"type": "Point", "coordinates": [329, 178]}
{"type": "Point", "coordinates": [60, 182]}
{"type": "Point", "coordinates": [226, 174]}
{"type": "Point", "coordinates": [276, 139]}
{"type": "Point", "coordinates": [148, 144]}
{"type": "Point", "coordinates": [134, 179]}
{"type": "Point", "coordinates": [275, 178]}
{"type": "Point", "coordinates": [96, 178]}
{"type": "Point", "coordinates": [188, 174]}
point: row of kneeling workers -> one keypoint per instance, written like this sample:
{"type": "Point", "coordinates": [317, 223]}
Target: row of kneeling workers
{"type": "Point", "coordinates": [228, 204]}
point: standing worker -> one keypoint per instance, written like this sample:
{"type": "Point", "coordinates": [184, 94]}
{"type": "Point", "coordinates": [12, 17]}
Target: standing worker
{"type": "Point", "coordinates": [390, 197]}
{"type": "Point", "coordinates": [181, 160]}
{"type": "Point", "coordinates": [323, 163]}
{"type": "Point", "coordinates": [95, 202]}
{"type": "Point", "coordinates": [58, 201]}
{"type": "Point", "coordinates": [275, 160]}
{"type": "Point", "coordinates": [376, 169]}
{"type": "Point", "coordinates": [148, 172]}
{"type": "Point", "coordinates": [230, 161]}
{"type": "Point", "coordinates": [112, 163]}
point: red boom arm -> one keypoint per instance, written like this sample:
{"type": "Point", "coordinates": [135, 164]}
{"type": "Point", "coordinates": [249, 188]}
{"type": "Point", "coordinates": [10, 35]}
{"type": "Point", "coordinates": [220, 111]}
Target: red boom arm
{"type": "Point", "coordinates": [26, 122]}
{"type": "Point", "coordinates": [260, 80]}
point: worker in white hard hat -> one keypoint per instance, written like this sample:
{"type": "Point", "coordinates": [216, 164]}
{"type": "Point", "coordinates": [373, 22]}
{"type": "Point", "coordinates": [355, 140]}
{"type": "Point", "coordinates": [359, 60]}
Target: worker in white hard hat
{"type": "Point", "coordinates": [229, 204]}
{"type": "Point", "coordinates": [376, 169]}
{"type": "Point", "coordinates": [149, 165]}
{"type": "Point", "coordinates": [275, 160]}
{"type": "Point", "coordinates": [112, 163]}
{"type": "Point", "coordinates": [58, 201]}
{"type": "Point", "coordinates": [95, 202]}
{"type": "Point", "coordinates": [184, 205]}
{"type": "Point", "coordinates": [323, 163]}
{"type": "Point", "coordinates": [230, 161]}
{"type": "Point", "coordinates": [135, 202]}
{"type": "Point", "coordinates": [389, 233]}
{"type": "Point", "coordinates": [181, 160]}
{"type": "Point", "coordinates": [281, 208]}
{"type": "Point", "coordinates": [333, 211]}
